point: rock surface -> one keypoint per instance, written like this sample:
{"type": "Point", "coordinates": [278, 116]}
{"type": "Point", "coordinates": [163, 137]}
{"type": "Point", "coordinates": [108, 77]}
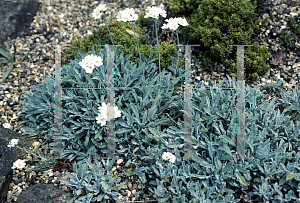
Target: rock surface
{"type": "Point", "coordinates": [46, 193]}
{"type": "Point", "coordinates": [8, 156]}
{"type": "Point", "coordinates": [15, 18]}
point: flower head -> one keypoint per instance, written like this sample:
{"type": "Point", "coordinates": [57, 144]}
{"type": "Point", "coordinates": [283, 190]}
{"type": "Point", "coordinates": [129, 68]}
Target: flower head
{"type": "Point", "coordinates": [97, 61]}
{"type": "Point", "coordinates": [101, 120]}
{"type": "Point", "coordinates": [90, 61]}
{"type": "Point", "coordinates": [101, 7]}
{"type": "Point", "coordinates": [19, 164]}
{"type": "Point", "coordinates": [182, 21]}
{"type": "Point", "coordinates": [166, 155]}
{"type": "Point", "coordinates": [154, 12]}
{"type": "Point", "coordinates": [105, 113]}
{"type": "Point", "coordinates": [169, 156]}
{"type": "Point", "coordinates": [13, 142]}
{"type": "Point", "coordinates": [173, 23]}
{"type": "Point", "coordinates": [127, 15]}
{"type": "Point", "coordinates": [172, 158]}
{"type": "Point", "coordinates": [97, 13]}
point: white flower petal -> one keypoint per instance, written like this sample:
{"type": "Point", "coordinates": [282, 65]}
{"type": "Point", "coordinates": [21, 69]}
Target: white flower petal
{"type": "Point", "coordinates": [6, 125]}
{"type": "Point", "coordinates": [97, 13]}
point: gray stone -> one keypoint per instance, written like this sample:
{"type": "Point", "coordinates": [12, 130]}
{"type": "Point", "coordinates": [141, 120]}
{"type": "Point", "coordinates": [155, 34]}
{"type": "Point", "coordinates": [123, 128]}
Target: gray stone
{"type": "Point", "coordinates": [46, 193]}
{"type": "Point", "coordinates": [15, 18]}
{"type": "Point", "coordinates": [8, 156]}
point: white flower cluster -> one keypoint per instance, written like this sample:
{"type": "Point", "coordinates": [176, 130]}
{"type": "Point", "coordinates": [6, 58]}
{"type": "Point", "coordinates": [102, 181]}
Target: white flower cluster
{"type": "Point", "coordinates": [127, 15]}
{"type": "Point", "coordinates": [154, 12]}
{"type": "Point", "coordinates": [105, 113]}
{"type": "Point", "coordinates": [169, 156]}
{"type": "Point", "coordinates": [19, 163]}
{"type": "Point", "coordinates": [13, 142]}
{"type": "Point", "coordinates": [173, 23]}
{"type": "Point", "coordinates": [97, 13]}
{"type": "Point", "coordinates": [89, 62]}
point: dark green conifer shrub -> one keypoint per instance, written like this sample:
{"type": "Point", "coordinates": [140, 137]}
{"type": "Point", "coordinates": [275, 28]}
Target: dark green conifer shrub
{"type": "Point", "coordinates": [216, 24]}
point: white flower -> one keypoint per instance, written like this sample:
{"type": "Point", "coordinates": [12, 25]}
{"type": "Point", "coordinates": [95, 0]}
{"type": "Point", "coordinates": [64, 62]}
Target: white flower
{"type": "Point", "coordinates": [105, 111]}
{"type": "Point", "coordinates": [172, 158]}
{"type": "Point", "coordinates": [19, 164]}
{"type": "Point", "coordinates": [97, 13]}
{"type": "Point", "coordinates": [166, 155]}
{"type": "Point", "coordinates": [134, 17]}
{"type": "Point", "coordinates": [173, 26]}
{"type": "Point", "coordinates": [169, 156]}
{"type": "Point", "coordinates": [101, 120]}
{"type": "Point", "coordinates": [89, 67]}
{"type": "Point", "coordinates": [89, 58]}
{"type": "Point", "coordinates": [105, 114]}
{"type": "Point", "coordinates": [89, 62]}
{"type": "Point", "coordinates": [101, 7]}
{"type": "Point", "coordinates": [154, 12]}
{"type": "Point", "coordinates": [127, 15]}
{"type": "Point", "coordinates": [98, 61]}
{"type": "Point", "coordinates": [182, 21]}
{"type": "Point", "coordinates": [173, 23]}
{"type": "Point", "coordinates": [119, 161]}
{"type": "Point", "coordinates": [13, 142]}
{"type": "Point", "coordinates": [130, 11]}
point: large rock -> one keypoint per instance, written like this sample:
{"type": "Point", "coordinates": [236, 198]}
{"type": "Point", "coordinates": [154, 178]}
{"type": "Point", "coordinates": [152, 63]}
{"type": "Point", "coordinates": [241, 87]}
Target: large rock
{"type": "Point", "coordinates": [46, 193]}
{"type": "Point", "coordinates": [15, 18]}
{"type": "Point", "coordinates": [9, 155]}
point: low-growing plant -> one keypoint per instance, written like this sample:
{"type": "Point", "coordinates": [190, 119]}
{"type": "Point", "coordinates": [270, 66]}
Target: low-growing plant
{"type": "Point", "coordinates": [295, 24]}
{"type": "Point", "coordinates": [213, 173]}
{"type": "Point", "coordinates": [216, 24]}
{"type": "Point", "coordinates": [287, 39]}
{"type": "Point", "coordinates": [138, 131]}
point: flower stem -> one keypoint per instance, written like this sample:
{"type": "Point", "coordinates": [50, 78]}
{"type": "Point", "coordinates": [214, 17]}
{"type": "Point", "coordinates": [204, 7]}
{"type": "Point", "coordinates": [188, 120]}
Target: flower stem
{"type": "Point", "coordinates": [32, 153]}
{"type": "Point", "coordinates": [139, 53]}
{"type": "Point", "coordinates": [108, 29]}
{"type": "Point", "coordinates": [178, 51]}
{"type": "Point", "coordinates": [158, 52]}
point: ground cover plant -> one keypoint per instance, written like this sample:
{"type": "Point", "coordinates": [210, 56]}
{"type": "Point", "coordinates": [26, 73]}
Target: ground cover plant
{"type": "Point", "coordinates": [142, 98]}
{"type": "Point", "coordinates": [272, 138]}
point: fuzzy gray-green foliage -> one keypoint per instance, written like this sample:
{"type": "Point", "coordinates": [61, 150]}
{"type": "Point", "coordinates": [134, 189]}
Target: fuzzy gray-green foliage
{"type": "Point", "coordinates": [210, 176]}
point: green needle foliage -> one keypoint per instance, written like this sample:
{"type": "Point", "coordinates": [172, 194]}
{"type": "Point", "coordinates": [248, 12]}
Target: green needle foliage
{"type": "Point", "coordinates": [216, 24]}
